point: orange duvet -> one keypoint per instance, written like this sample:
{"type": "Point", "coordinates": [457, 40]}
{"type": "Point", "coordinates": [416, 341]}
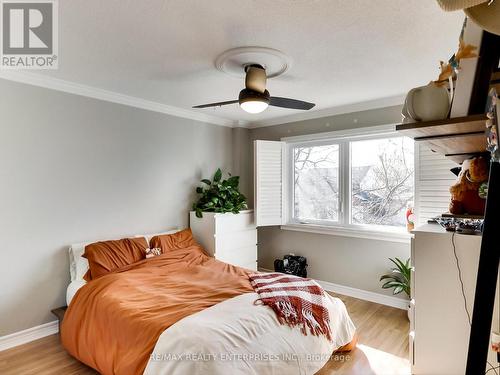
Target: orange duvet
{"type": "Point", "coordinates": [114, 322]}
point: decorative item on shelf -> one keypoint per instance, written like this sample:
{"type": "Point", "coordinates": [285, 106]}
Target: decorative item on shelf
{"type": "Point", "coordinates": [452, 67]}
{"type": "Point", "coordinates": [485, 13]}
{"type": "Point", "coordinates": [433, 101]}
{"type": "Point", "coordinates": [470, 227]}
{"type": "Point", "coordinates": [410, 217]}
{"type": "Point", "coordinates": [426, 103]}
{"type": "Point", "coordinates": [461, 225]}
{"type": "Point", "coordinates": [220, 195]}
{"type": "Point", "coordinates": [448, 224]}
{"type": "Point", "coordinates": [493, 109]}
{"type": "Point", "coordinates": [467, 194]}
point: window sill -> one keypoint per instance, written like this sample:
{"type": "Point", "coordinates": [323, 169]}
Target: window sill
{"type": "Point", "coordinates": [382, 235]}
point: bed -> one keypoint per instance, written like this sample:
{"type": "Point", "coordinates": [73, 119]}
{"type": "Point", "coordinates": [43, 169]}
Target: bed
{"type": "Point", "coordinates": [184, 312]}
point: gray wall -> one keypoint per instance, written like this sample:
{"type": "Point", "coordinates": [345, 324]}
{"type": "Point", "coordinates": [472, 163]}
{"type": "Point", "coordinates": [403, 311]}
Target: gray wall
{"type": "Point", "coordinates": [243, 162]}
{"type": "Point", "coordinates": [74, 169]}
{"type": "Point", "coordinates": [348, 261]}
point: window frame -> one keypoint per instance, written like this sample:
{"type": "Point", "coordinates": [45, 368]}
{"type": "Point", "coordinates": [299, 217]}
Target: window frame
{"type": "Point", "coordinates": [290, 174]}
{"type": "Point", "coordinates": [344, 226]}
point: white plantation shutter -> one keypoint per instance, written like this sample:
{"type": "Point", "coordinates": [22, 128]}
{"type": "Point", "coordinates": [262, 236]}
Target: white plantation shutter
{"type": "Point", "coordinates": [432, 183]}
{"type": "Point", "coordinates": [269, 162]}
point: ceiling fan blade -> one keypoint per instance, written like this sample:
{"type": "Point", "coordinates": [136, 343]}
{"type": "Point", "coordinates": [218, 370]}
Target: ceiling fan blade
{"type": "Point", "coordinates": [218, 104]}
{"type": "Point", "coordinates": [277, 101]}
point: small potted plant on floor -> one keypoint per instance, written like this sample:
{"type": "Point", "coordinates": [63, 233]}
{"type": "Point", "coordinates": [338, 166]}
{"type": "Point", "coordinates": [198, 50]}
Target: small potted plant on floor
{"type": "Point", "coordinates": [398, 279]}
{"type": "Point", "coordinates": [220, 195]}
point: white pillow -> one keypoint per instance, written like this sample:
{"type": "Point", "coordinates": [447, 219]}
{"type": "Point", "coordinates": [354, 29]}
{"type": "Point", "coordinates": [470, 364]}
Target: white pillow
{"type": "Point", "coordinates": [78, 265]}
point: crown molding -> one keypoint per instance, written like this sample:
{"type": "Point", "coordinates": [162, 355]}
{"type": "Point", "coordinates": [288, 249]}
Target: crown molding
{"type": "Point", "coordinates": [110, 96]}
{"type": "Point", "coordinates": [242, 124]}
{"type": "Point", "coordinates": [132, 101]}
{"type": "Point", "coordinates": [348, 108]}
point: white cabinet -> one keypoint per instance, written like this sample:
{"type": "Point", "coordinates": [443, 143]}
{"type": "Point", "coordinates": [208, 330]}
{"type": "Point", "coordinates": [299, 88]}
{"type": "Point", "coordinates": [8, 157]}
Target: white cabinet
{"type": "Point", "coordinates": [230, 238]}
{"type": "Point", "coordinates": [439, 324]}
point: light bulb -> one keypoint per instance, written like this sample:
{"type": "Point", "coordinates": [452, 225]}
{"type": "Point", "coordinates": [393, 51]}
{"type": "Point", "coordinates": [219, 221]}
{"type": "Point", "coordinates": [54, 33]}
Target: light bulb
{"type": "Point", "coordinates": [254, 106]}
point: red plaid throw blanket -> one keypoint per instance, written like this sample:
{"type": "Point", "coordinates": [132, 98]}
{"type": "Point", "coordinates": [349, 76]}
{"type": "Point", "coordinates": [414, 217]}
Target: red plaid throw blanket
{"type": "Point", "coordinates": [295, 300]}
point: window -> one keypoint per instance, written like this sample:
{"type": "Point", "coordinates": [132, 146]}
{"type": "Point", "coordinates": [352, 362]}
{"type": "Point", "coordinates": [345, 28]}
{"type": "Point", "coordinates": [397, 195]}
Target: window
{"type": "Point", "coordinates": [316, 183]}
{"type": "Point", "coordinates": [352, 183]}
{"type": "Point", "coordinates": [356, 181]}
{"type": "Point", "coordinates": [381, 180]}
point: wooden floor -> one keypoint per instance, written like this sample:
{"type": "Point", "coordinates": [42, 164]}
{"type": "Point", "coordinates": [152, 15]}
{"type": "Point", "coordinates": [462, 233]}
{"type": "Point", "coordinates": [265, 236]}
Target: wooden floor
{"type": "Point", "coordinates": [383, 341]}
{"type": "Point", "coordinates": [382, 348]}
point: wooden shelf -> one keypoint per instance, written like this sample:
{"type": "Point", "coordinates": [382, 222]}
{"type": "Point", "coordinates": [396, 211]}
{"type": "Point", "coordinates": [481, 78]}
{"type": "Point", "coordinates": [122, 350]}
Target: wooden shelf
{"type": "Point", "coordinates": [456, 138]}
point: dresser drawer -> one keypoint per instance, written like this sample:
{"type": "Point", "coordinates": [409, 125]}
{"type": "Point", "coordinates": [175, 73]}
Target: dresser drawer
{"type": "Point", "coordinates": [235, 240]}
{"type": "Point", "coordinates": [228, 223]}
{"type": "Point", "coordinates": [238, 257]}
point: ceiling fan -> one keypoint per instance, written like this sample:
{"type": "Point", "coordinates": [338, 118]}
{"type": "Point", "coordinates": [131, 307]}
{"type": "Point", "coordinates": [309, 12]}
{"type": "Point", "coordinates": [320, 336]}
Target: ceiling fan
{"type": "Point", "coordinates": [254, 98]}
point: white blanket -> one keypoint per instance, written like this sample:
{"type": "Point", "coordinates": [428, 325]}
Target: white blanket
{"type": "Point", "coordinates": [238, 337]}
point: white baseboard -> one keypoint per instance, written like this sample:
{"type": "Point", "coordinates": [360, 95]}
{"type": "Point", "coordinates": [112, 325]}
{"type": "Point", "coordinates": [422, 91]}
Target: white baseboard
{"type": "Point", "coordinates": [359, 293]}
{"type": "Point", "coordinates": [364, 295]}
{"type": "Point", "coordinates": [30, 334]}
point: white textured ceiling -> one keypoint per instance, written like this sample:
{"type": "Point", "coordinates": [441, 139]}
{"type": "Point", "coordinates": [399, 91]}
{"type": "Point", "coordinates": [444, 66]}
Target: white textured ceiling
{"type": "Point", "coordinates": [342, 51]}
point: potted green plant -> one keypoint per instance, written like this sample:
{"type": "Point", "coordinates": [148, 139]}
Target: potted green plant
{"type": "Point", "coordinates": [219, 195]}
{"type": "Point", "coordinates": [399, 278]}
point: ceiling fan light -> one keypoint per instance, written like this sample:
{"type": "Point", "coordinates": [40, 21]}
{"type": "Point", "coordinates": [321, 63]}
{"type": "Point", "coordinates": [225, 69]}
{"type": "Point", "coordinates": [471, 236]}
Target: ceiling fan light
{"type": "Point", "coordinates": [254, 106]}
{"type": "Point", "coordinates": [253, 101]}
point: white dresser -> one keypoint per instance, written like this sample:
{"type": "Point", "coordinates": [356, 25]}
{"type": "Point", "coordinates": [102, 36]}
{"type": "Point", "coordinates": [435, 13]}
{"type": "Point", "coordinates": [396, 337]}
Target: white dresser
{"type": "Point", "coordinates": [439, 325]}
{"type": "Point", "coordinates": [230, 238]}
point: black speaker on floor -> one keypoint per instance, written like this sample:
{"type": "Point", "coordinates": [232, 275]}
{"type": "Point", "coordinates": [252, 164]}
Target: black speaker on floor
{"type": "Point", "coordinates": [292, 265]}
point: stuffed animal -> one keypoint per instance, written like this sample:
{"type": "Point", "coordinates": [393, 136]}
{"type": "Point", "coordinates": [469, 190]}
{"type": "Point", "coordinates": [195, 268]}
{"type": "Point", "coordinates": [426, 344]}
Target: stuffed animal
{"type": "Point", "coordinates": [468, 194]}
